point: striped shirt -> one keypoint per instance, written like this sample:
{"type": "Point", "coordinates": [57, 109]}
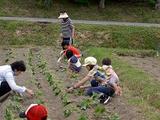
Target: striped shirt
{"type": "Point", "coordinates": [66, 28]}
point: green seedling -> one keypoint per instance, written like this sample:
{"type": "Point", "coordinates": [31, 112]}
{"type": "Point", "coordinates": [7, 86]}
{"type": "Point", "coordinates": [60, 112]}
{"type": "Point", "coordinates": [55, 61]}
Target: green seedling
{"type": "Point", "coordinates": [83, 117]}
{"type": "Point", "coordinates": [74, 75]}
{"type": "Point", "coordinates": [39, 93]}
{"type": "Point", "coordinates": [39, 101]}
{"type": "Point", "coordinates": [115, 117]}
{"type": "Point", "coordinates": [54, 87]}
{"type": "Point", "coordinates": [85, 104]}
{"type": "Point", "coordinates": [67, 112]}
{"type": "Point", "coordinates": [57, 92]}
{"type": "Point", "coordinates": [49, 78]}
{"type": "Point", "coordinates": [17, 98]}
{"type": "Point", "coordinates": [8, 115]}
{"type": "Point", "coordinates": [65, 100]}
{"type": "Point", "coordinates": [99, 110]}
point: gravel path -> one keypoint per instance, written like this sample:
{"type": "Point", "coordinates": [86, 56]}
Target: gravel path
{"type": "Point", "coordinates": [51, 20]}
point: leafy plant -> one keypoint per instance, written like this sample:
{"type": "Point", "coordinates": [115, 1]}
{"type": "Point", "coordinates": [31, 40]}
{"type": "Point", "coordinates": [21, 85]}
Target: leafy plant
{"type": "Point", "coordinates": [99, 110]}
{"type": "Point", "coordinates": [115, 117]}
{"type": "Point", "coordinates": [85, 104]}
{"type": "Point", "coordinates": [67, 112]}
{"type": "Point", "coordinates": [65, 100]}
{"type": "Point", "coordinates": [57, 91]}
{"type": "Point", "coordinates": [83, 117]}
{"type": "Point", "coordinates": [8, 115]}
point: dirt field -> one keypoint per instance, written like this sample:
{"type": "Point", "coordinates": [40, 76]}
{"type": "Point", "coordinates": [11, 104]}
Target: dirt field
{"type": "Point", "coordinates": [34, 78]}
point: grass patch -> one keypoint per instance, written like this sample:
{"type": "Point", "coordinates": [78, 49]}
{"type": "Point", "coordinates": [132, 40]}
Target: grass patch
{"type": "Point", "coordinates": [27, 33]}
{"type": "Point", "coordinates": [143, 90]}
{"type": "Point", "coordinates": [116, 11]}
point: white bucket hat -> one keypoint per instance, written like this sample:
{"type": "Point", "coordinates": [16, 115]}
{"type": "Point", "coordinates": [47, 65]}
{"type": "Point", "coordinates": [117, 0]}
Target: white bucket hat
{"type": "Point", "coordinates": [63, 15]}
{"type": "Point", "coordinates": [90, 61]}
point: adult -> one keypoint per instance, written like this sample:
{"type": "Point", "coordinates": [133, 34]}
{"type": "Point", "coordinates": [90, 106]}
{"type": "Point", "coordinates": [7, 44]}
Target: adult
{"type": "Point", "coordinates": [7, 81]}
{"type": "Point", "coordinates": [35, 112]}
{"type": "Point", "coordinates": [67, 27]}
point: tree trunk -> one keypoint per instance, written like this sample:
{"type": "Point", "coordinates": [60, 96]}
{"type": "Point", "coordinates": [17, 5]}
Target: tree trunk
{"type": "Point", "coordinates": [157, 6]}
{"type": "Point", "coordinates": [102, 4]}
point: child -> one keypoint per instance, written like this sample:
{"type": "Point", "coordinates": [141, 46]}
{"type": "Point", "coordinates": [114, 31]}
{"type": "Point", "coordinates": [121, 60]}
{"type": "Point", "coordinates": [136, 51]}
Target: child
{"type": "Point", "coordinates": [35, 112]}
{"type": "Point", "coordinates": [66, 46]}
{"type": "Point", "coordinates": [73, 62]}
{"type": "Point", "coordinates": [67, 28]}
{"type": "Point", "coordinates": [111, 76]}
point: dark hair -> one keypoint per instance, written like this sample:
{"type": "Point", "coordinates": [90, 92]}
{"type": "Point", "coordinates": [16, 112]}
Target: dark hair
{"type": "Point", "coordinates": [106, 61]}
{"type": "Point", "coordinates": [69, 54]}
{"type": "Point", "coordinates": [44, 118]}
{"type": "Point", "coordinates": [91, 67]}
{"type": "Point", "coordinates": [62, 11]}
{"type": "Point", "coordinates": [64, 43]}
{"type": "Point", "coordinates": [18, 65]}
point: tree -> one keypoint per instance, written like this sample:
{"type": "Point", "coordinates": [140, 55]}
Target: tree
{"type": "Point", "coordinates": [45, 3]}
{"type": "Point", "coordinates": [157, 6]}
{"type": "Point", "coordinates": [102, 3]}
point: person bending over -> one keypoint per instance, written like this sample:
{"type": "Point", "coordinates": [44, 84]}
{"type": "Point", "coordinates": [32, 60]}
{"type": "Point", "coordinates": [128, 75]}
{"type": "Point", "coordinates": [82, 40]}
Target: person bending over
{"type": "Point", "coordinates": [73, 62]}
{"type": "Point", "coordinates": [7, 81]}
{"type": "Point", "coordinates": [66, 47]}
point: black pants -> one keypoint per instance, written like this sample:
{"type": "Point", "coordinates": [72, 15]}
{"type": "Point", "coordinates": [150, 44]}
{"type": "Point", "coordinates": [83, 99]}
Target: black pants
{"type": "Point", "coordinates": [4, 88]}
{"type": "Point", "coordinates": [68, 40]}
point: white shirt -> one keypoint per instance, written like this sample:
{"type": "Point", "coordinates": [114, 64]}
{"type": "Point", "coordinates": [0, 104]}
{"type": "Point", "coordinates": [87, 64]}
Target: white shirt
{"type": "Point", "coordinates": [6, 74]}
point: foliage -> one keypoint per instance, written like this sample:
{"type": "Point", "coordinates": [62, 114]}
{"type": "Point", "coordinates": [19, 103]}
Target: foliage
{"type": "Point", "coordinates": [87, 35]}
{"type": "Point", "coordinates": [45, 3]}
{"type": "Point", "coordinates": [115, 11]}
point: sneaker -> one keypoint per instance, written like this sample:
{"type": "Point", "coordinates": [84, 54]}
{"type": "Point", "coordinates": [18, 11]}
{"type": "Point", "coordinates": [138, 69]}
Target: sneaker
{"type": "Point", "coordinates": [104, 99]}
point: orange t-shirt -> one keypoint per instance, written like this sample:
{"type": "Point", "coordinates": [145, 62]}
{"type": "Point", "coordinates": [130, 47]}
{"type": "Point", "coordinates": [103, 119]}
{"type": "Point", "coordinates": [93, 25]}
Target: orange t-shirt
{"type": "Point", "coordinates": [75, 51]}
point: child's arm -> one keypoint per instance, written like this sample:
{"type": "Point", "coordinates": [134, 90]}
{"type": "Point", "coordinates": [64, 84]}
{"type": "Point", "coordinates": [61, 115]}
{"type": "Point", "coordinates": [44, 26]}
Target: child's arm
{"type": "Point", "coordinates": [117, 88]}
{"type": "Point", "coordinates": [60, 58]}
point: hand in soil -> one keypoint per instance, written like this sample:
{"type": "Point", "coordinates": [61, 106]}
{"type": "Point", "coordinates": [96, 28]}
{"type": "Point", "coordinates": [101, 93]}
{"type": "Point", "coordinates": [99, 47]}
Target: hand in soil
{"type": "Point", "coordinates": [30, 92]}
{"type": "Point", "coordinates": [69, 90]}
{"type": "Point", "coordinates": [118, 91]}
